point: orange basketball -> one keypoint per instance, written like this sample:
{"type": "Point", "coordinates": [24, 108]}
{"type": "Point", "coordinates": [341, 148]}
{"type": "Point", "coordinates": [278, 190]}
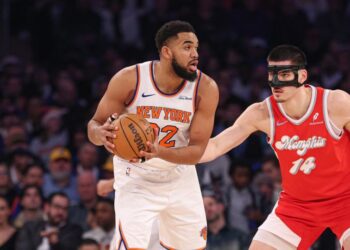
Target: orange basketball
{"type": "Point", "coordinates": [131, 137]}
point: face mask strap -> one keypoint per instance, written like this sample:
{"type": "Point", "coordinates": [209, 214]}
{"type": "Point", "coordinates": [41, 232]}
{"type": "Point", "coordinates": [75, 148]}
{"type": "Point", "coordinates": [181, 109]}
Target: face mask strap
{"type": "Point", "coordinates": [277, 83]}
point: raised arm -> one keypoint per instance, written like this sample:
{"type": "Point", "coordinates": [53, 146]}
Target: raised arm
{"type": "Point", "coordinates": [200, 131]}
{"type": "Point", "coordinates": [120, 90]}
{"type": "Point", "coordinates": [254, 118]}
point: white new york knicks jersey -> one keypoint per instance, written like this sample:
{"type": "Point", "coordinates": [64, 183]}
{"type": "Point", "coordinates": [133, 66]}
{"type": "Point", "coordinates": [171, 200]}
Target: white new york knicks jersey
{"type": "Point", "coordinates": [170, 113]}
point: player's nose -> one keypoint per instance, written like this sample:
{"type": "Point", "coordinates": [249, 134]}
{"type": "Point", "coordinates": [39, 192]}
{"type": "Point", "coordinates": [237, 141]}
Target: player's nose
{"type": "Point", "coordinates": [194, 54]}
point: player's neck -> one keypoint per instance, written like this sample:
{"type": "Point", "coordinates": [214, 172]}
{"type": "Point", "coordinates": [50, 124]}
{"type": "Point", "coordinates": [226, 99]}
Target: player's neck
{"type": "Point", "coordinates": [166, 79]}
{"type": "Point", "coordinates": [297, 106]}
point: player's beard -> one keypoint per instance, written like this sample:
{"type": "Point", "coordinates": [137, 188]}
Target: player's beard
{"type": "Point", "coordinates": [182, 72]}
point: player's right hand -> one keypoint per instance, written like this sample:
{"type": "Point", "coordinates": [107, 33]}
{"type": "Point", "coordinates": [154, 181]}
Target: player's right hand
{"type": "Point", "coordinates": [106, 133]}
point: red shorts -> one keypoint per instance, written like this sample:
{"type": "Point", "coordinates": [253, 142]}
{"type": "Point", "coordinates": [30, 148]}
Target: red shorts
{"type": "Point", "coordinates": [309, 219]}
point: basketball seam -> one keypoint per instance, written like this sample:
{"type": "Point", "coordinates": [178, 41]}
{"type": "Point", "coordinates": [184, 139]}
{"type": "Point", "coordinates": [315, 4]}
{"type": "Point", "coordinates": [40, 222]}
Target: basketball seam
{"type": "Point", "coordinates": [127, 139]}
{"type": "Point", "coordinates": [137, 126]}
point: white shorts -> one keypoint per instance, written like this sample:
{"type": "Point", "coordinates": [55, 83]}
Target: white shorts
{"type": "Point", "coordinates": [276, 226]}
{"type": "Point", "coordinates": [171, 196]}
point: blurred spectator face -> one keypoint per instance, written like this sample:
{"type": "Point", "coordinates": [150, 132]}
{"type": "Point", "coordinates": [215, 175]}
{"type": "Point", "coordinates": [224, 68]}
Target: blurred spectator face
{"type": "Point", "coordinates": [66, 92]}
{"type": "Point", "coordinates": [265, 185]}
{"type": "Point", "coordinates": [4, 177]}
{"type": "Point", "coordinates": [9, 120]}
{"type": "Point", "coordinates": [60, 169]}
{"type": "Point", "coordinates": [60, 164]}
{"type": "Point", "coordinates": [35, 108]}
{"type": "Point", "coordinates": [87, 186]}
{"type": "Point", "coordinates": [52, 121]}
{"type": "Point", "coordinates": [105, 215]}
{"type": "Point", "coordinates": [21, 159]}
{"type": "Point", "coordinates": [265, 189]}
{"type": "Point", "coordinates": [79, 138]}
{"type": "Point", "coordinates": [271, 170]}
{"type": "Point", "coordinates": [213, 209]}
{"type": "Point", "coordinates": [16, 138]}
{"type": "Point", "coordinates": [34, 176]}
{"type": "Point", "coordinates": [4, 211]}
{"type": "Point", "coordinates": [57, 210]}
{"type": "Point", "coordinates": [31, 199]}
{"type": "Point", "coordinates": [87, 155]}
{"type": "Point", "coordinates": [241, 177]}
{"type": "Point", "coordinates": [13, 87]}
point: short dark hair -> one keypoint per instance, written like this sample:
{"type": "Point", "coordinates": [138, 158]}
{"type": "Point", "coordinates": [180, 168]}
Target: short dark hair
{"type": "Point", "coordinates": [272, 158]}
{"type": "Point", "coordinates": [105, 200]}
{"type": "Point", "coordinates": [171, 29]}
{"type": "Point", "coordinates": [54, 194]}
{"type": "Point", "coordinates": [239, 163]}
{"type": "Point", "coordinates": [27, 187]}
{"type": "Point", "coordinates": [287, 52]}
{"type": "Point", "coordinates": [36, 164]}
{"type": "Point", "coordinates": [88, 242]}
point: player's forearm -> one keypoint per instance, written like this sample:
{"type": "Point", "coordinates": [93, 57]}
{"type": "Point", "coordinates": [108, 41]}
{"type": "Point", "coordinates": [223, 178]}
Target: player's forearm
{"type": "Point", "coordinates": [210, 152]}
{"type": "Point", "coordinates": [189, 155]}
{"type": "Point", "coordinates": [92, 125]}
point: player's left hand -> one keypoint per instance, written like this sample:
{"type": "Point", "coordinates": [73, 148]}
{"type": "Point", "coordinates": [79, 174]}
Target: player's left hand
{"type": "Point", "coordinates": [152, 148]}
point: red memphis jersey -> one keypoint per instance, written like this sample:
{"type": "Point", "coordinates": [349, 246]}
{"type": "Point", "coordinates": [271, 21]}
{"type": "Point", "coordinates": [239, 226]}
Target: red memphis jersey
{"type": "Point", "coordinates": [314, 155]}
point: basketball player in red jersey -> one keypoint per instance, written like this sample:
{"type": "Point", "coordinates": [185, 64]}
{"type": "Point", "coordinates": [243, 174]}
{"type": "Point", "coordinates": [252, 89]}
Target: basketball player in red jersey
{"type": "Point", "coordinates": [309, 130]}
{"type": "Point", "coordinates": [180, 101]}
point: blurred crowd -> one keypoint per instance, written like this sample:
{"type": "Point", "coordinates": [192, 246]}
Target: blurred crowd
{"type": "Point", "coordinates": [56, 61]}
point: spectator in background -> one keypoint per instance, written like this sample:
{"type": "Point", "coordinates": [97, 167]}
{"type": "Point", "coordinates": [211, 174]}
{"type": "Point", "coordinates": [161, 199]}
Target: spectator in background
{"type": "Point", "coordinates": [31, 202]}
{"type": "Point", "coordinates": [6, 188]}
{"type": "Point", "coordinates": [89, 244]}
{"type": "Point", "coordinates": [107, 169]}
{"type": "Point", "coordinates": [105, 229]}
{"type": "Point", "coordinates": [265, 197]}
{"type": "Point", "coordinates": [79, 213]}
{"type": "Point", "coordinates": [19, 159]}
{"type": "Point", "coordinates": [8, 233]}
{"type": "Point", "coordinates": [33, 174]}
{"type": "Point", "coordinates": [87, 159]}
{"type": "Point", "coordinates": [16, 138]}
{"type": "Point", "coordinates": [60, 177]}
{"type": "Point", "coordinates": [53, 135]}
{"type": "Point", "coordinates": [241, 199]}
{"type": "Point", "coordinates": [220, 236]}
{"type": "Point", "coordinates": [271, 168]}
{"type": "Point", "coordinates": [55, 233]}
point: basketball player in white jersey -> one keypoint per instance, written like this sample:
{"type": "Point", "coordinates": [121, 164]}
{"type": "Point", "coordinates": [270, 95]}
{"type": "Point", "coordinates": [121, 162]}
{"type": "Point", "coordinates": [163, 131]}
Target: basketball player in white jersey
{"type": "Point", "coordinates": [180, 101]}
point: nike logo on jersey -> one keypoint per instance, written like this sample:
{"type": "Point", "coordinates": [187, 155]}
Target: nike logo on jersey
{"type": "Point", "coordinates": [147, 95]}
{"type": "Point", "coordinates": [302, 146]}
{"type": "Point", "coordinates": [278, 123]}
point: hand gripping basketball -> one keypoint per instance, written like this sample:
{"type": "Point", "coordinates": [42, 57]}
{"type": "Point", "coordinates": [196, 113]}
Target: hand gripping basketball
{"type": "Point", "coordinates": [132, 136]}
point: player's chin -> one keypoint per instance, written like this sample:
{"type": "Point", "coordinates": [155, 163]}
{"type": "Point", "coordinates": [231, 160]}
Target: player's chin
{"type": "Point", "coordinates": [279, 99]}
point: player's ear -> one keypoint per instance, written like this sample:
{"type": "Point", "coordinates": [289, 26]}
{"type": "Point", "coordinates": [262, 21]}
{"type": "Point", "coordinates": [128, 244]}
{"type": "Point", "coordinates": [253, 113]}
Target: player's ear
{"type": "Point", "coordinates": [166, 52]}
{"type": "Point", "coordinates": [302, 75]}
